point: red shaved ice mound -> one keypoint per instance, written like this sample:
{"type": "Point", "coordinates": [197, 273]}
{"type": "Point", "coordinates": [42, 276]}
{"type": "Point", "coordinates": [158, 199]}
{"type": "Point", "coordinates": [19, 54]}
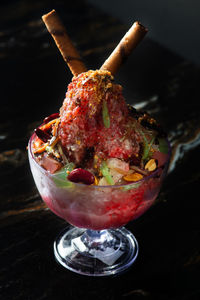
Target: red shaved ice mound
{"type": "Point", "coordinates": [95, 120]}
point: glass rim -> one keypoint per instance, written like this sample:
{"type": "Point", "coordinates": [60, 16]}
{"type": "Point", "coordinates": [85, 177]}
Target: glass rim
{"type": "Point", "coordinates": [145, 178]}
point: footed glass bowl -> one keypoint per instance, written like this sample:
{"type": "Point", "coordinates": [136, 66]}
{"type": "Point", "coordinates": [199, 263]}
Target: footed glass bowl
{"type": "Point", "coordinates": [97, 244]}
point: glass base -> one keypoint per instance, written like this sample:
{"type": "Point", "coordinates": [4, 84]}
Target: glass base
{"type": "Point", "coordinates": [96, 253]}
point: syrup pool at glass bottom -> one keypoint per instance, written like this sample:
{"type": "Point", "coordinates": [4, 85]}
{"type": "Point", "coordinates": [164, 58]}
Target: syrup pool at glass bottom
{"type": "Point", "coordinates": [96, 208]}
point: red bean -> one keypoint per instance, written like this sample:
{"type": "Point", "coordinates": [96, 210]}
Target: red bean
{"type": "Point", "coordinates": [44, 136]}
{"type": "Point", "coordinates": [81, 175]}
{"type": "Point", "coordinates": [51, 117]}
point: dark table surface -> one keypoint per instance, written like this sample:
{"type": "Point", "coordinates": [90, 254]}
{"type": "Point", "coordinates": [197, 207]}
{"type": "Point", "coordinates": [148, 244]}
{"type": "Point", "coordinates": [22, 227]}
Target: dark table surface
{"type": "Point", "coordinates": [34, 79]}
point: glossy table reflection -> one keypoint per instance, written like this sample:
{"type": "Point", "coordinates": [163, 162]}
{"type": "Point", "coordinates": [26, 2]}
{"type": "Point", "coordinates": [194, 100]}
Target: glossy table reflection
{"type": "Point", "coordinates": [34, 79]}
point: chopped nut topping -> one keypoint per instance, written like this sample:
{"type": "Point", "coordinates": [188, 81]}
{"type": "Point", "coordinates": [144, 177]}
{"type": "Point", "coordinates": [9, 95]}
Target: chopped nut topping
{"type": "Point", "coordinates": [151, 165]}
{"type": "Point", "coordinates": [133, 177]}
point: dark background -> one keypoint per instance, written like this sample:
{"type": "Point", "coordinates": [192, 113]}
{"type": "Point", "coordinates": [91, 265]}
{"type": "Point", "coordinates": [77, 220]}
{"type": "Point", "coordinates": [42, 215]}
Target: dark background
{"type": "Point", "coordinates": [173, 23]}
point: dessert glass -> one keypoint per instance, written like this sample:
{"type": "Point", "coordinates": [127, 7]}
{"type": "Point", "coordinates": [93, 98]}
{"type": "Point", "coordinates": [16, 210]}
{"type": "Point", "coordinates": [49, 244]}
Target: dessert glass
{"type": "Point", "coordinates": [96, 243]}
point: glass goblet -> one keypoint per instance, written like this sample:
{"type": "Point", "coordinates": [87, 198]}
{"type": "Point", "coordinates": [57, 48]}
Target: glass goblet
{"type": "Point", "coordinates": [97, 244]}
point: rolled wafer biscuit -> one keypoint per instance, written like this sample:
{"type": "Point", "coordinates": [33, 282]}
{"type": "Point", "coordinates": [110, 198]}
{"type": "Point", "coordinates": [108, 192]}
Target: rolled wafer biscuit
{"type": "Point", "coordinates": [124, 48]}
{"type": "Point", "coordinates": [63, 42]}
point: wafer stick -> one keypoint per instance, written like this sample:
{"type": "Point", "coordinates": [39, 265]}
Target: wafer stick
{"type": "Point", "coordinates": [63, 42]}
{"type": "Point", "coordinates": [124, 48]}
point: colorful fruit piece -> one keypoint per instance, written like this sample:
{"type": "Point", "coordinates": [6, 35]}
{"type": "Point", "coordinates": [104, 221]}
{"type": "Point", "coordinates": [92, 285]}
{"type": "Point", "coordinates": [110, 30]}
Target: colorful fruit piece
{"type": "Point", "coordinates": [50, 164]}
{"type": "Point", "coordinates": [60, 177]}
{"type": "Point", "coordinates": [106, 173]}
{"type": "Point", "coordinates": [103, 182]}
{"type": "Point", "coordinates": [116, 176]}
{"type": "Point", "coordinates": [118, 165]}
